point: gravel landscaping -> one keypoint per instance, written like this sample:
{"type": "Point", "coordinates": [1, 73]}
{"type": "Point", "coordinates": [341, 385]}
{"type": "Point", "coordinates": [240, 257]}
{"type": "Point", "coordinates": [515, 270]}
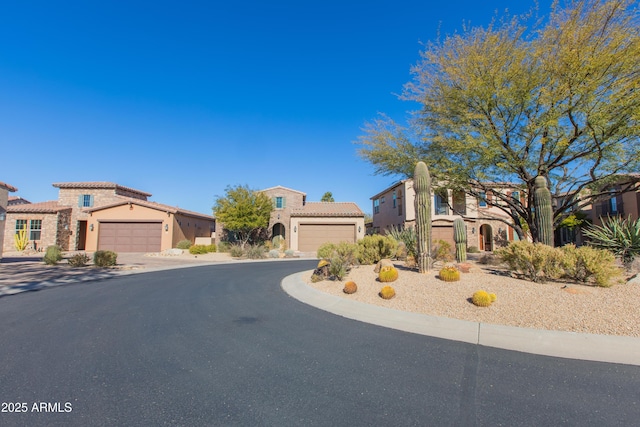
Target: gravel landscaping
{"type": "Point", "coordinates": [552, 306]}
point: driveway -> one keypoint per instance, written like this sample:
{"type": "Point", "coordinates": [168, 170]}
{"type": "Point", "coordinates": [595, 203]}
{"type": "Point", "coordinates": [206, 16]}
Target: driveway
{"type": "Point", "coordinates": [224, 345]}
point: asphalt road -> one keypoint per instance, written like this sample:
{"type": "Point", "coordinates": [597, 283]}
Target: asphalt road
{"type": "Point", "coordinates": [224, 345]}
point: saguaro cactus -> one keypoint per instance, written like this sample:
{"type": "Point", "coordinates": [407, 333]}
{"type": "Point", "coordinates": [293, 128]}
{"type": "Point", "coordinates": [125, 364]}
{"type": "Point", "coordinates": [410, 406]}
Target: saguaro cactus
{"type": "Point", "coordinates": [422, 187]}
{"type": "Point", "coordinates": [460, 237]}
{"type": "Point", "coordinates": [544, 211]}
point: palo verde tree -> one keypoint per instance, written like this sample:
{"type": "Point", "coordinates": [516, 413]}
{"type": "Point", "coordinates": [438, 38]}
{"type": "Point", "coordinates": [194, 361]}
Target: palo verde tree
{"type": "Point", "coordinates": [243, 212]}
{"type": "Point", "coordinates": [524, 97]}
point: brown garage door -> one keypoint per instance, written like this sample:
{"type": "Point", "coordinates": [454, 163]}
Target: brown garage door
{"type": "Point", "coordinates": [313, 235]}
{"type": "Point", "coordinates": [130, 236]}
{"type": "Point", "coordinates": [443, 232]}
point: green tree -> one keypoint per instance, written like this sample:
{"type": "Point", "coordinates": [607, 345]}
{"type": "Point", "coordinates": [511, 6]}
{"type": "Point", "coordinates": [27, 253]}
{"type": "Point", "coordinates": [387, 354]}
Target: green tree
{"type": "Point", "coordinates": [243, 212]}
{"type": "Point", "coordinates": [558, 98]}
{"type": "Point", "coordinates": [327, 197]}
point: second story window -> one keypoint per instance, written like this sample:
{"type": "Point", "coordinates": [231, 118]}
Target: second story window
{"type": "Point", "coordinates": [482, 200]}
{"type": "Point", "coordinates": [395, 199]}
{"type": "Point", "coordinates": [85, 201]}
{"type": "Point", "coordinates": [280, 202]}
{"type": "Point", "coordinates": [376, 206]}
{"type": "Point", "coordinates": [440, 203]}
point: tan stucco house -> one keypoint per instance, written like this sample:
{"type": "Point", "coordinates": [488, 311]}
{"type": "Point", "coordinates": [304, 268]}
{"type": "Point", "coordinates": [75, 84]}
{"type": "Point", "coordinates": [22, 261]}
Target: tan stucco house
{"type": "Point", "coordinates": [5, 189]}
{"type": "Point", "coordinates": [394, 206]}
{"type": "Point", "coordinates": [104, 215]}
{"type": "Point", "coordinates": [307, 225]}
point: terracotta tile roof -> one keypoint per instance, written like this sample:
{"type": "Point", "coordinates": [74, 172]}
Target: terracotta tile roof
{"type": "Point", "coordinates": [152, 205]}
{"type": "Point", "coordinates": [16, 200]}
{"type": "Point", "coordinates": [98, 185]}
{"type": "Point", "coordinates": [328, 209]}
{"type": "Point", "coordinates": [41, 207]}
{"type": "Point", "coordinates": [8, 187]}
{"type": "Point", "coordinates": [280, 187]}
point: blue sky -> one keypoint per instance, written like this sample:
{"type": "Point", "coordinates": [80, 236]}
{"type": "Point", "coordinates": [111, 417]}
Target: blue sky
{"type": "Point", "coordinates": [182, 99]}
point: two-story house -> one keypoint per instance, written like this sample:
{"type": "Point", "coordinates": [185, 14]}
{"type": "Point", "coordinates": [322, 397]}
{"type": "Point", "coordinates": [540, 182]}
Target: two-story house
{"type": "Point", "coordinates": [394, 206]}
{"type": "Point", "coordinates": [103, 215]}
{"type": "Point", "coordinates": [307, 225]}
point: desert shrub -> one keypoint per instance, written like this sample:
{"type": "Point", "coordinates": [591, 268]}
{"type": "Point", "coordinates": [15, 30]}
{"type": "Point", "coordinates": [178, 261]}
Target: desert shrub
{"type": "Point", "coordinates": [224, 247]}
{"type": "Point", "coordinates": [387, 292]}
{"type": "Point", "coordinates": [105, 258]}
{"type": "Point", "coordinates": [350, 287]}
{"type": "Point", "coordinates": [289, 253]}
{"type": "Point", "coordinates": [372, 249]}
{"type": "Point", "coordinates": [534, 261]}
{"type": "Point", "coordinates": [338, 267]}
{"type": "Point", "coordinates": [184, 244]}
{"type": "Point", "coordinates": [52, 255]}
{"type": "Point", "coordinates": [388, 274]}
{"type": "Point", "coordinates": [585, 263]}
{"type": "Point", "coordinates": [315, 278]}
{"type": "Point", "coordinates": [326, 250]}
{"type": "Point", "coordinates": [473, 250]}
{"type": "Point", "coordinates": [483, 298]}
{"type": "Point", "coordinates": [236, 251]}
{"type": "Point", "coordinates": [256, 252]}
{"type": "Point", "coordinates": [617, 235]}
{"type": "Point", "coordinates": [274, 253]}
{"type": "Point", "coordinates": [278, 242]}
{"type": "Point", "coordinates": [408, 238]}
{"type": "Point", "coordinates": [212, 248]}
{"type": "Point", "coordinates": [449, 274]}
{"type": "Point", "coordinates": [198, 249]}
{"type": "Point", "coordinates": [442, 251]}
{"type": "Point", "coordinates": [79, 260]}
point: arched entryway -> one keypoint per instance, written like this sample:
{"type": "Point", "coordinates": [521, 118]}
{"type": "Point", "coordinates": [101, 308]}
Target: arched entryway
{"type": "Point", "coordinates": [278, 230]}
{"type": "Point", "coordinates": [486, 241]}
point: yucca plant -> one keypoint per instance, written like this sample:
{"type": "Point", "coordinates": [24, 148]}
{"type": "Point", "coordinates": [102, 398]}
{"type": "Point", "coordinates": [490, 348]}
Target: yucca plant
{"type": "Point", "coordinates": [617, 235]}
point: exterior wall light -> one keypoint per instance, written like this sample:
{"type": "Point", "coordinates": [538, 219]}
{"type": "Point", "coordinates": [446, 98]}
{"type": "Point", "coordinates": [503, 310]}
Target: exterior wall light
{"type": "Point", "coordinates": [359, 229]}
{"type": "Point", "coordinates": [3, 216]}
{"type": "Point", "coordinates": [166, 227]}
{"type": "Point", "coordinates": [90, 227]}
{"type": "Point", "coordinates": [295, 229]}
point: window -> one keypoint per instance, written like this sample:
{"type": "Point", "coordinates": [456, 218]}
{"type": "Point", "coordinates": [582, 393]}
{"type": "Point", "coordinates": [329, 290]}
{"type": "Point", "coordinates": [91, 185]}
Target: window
{"type": "Point", "coordinates": [395, 201]}
{"type": "Point", "coordinates": [400, 204]}
{"type": "Point", "coordinates": [35, 229]}
{"type": "Point", "coordinates": [613, 205]}
{"type": "Point", "coordinates": [382, 199]}
{"type": "Point", "coordinates": [280, 202]}
{"type": "Point", "coordinates": [482, 200]}
{"type": "Point", "coordinates": [459, 202]}
{"type": "Point", "coordinates": [85, 200]}
{"type": "Point", "coordinates": [516, 195]}
{"type": "Point", "coordinates": [440, 203]}
{"type": "Point", "coordinates": [20, 224]}
{"type": "Point", "coordinates": [376, 206]}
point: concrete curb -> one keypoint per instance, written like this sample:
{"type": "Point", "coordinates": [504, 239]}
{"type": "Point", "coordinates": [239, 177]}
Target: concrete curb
{"type": "Point", "coordinates": [570, 345]}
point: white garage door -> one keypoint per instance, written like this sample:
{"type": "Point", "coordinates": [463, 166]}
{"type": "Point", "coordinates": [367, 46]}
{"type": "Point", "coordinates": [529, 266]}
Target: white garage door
{"type": "Point", "coordinates": [311, 236]}
{"type": "Point", "coordinates": [130, 236]}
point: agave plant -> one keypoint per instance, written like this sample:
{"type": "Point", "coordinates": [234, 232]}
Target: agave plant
{"type": "Point", "coordinates": [617, 235]}
{"type": "Point", "coordinates": [407, 236]}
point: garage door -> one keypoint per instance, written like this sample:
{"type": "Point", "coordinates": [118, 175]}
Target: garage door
{"type": "Point", "coordinates": [313, 235]}
{"type": "Point", "coordinates": [443, 232]}
{"type": "Point", "coordinates": [130, 236]}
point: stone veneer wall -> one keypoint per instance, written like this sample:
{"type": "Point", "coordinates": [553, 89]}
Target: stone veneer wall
{"type": "Point", "coordinates": [293, 200]}
{"type": "Point", "coordinates": [48, 233]}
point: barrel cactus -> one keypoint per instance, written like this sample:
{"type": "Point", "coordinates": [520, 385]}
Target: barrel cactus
{"type": "Point", "coordinates": [387, 292]}
{"type": "Point", "coordinates": [460, 237]}
{"type": "Point", "coordinates": [543, 211]}
{"type": "Point", "coordinates": [422, 187]}
{"type": "Point", "coordinates": [388, 274]}
{"type": "Point", "coordinates": [350, 287]}
{"type": "Point", "coordinates": [483, 298]}
{"type": "Point", "coordinates": [449, 274]}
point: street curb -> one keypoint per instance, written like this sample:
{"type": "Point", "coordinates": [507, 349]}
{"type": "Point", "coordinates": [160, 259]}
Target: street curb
{"type": "Point", "coordinates": [570, 345]}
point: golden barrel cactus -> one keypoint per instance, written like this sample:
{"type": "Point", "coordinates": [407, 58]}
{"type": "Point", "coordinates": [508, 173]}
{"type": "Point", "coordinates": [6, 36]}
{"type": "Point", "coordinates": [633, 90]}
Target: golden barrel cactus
{"type": "Point", "coordinates": [388, 274]}
{"type": "Point", "coordinates": [387, 292]}
{"type": "Point", "coordinates": [350, 287]}
{"type": "Point", "coordinates": [449, 274]}
{"type": "Point", "coordinates": [483, 298]}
